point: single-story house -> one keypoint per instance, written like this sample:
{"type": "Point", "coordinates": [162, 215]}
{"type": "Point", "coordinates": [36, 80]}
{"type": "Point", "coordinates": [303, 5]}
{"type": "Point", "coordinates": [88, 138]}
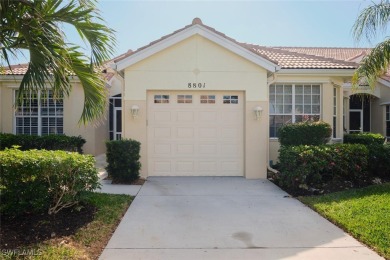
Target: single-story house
{"type": "Point", "coordinates": [204, 104]}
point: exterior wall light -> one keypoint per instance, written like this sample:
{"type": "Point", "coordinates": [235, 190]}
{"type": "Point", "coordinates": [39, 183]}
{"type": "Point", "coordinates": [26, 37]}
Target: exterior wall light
{"type": "Point", "coordinates": [134, 111]}
{"type": "Point", "coordinates": [258, 111]}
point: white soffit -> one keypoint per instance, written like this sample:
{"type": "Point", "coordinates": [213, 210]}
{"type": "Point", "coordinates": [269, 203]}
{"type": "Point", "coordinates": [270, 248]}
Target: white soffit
{"type": "Point", "coordinates": [193, 30]}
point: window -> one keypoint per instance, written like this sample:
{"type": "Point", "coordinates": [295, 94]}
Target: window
{"type": "Point", "coordinates": [39, 114]}
{"type": "Point", "coordinates": [388, 121]}
{"type": "Point", "coordinates": [187, 99]}
{"type": "Point", "coordinates": [230, 99]}
{"type": "Point", "coordinates": [334, 112]}
{"type": "Point", "coordinates": [207, 99]}
{"type": "Point", "coordinates": [161, 99]}
{"type": "Point", "coordinates": [290, 103]}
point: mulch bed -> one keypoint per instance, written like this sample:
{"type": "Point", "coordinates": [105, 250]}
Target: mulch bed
{"type": "Point", "coordinates": [30, 229]}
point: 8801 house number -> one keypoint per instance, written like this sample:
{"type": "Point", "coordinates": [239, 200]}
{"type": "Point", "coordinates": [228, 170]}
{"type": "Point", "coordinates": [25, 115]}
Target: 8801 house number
{"type": "Point", "coordinates": [196, 85]}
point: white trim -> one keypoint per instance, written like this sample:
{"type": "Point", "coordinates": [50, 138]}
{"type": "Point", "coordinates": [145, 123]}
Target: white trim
{"type": "Point", "coordinates": [328, 72]}
{"type": "Point", "coordinates": [385, 103]}
{"type": "Point", "coordinates": [185, 34]}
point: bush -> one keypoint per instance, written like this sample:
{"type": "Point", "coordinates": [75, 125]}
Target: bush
{"type": "Point", "coordinates": [303, 166]}
{"type": "Point", "coordinates": [305, 133]}
{"type": "Point", "coordinates": [378, 153]}
{"type": "Point", "coordinates": [47, 142]}
{"type": "Point", "coordinates": [40, 180]}
{"type": "Point", "coordinates": [364, 138]}
{"type": "Point", "coordinates": [123, 160]}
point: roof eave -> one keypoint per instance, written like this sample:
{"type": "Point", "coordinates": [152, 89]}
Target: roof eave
{"type": "Point", "coordinates": [196, 29]}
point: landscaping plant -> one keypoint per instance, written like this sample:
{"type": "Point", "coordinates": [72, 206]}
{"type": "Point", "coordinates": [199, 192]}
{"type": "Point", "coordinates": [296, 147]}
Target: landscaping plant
{"type": "Point", "coordinates": [305, 133]}
{"type": "Point", "coordinates": [47, 142]}
{"type": "Point", "coordinates": [41, 180]}
{"type": "Point", "coordinates": [123, 160]}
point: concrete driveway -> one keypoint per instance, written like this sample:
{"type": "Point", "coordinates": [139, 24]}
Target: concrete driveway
{"type": "Point", "coordinates": [225, 218]}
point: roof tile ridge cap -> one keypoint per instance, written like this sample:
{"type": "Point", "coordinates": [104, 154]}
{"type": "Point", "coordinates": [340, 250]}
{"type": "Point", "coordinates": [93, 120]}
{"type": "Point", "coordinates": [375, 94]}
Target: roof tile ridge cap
{"type": "Point", "coordinates": [251, 47]}
{"type": "Point", "coordinates": [363, 53]}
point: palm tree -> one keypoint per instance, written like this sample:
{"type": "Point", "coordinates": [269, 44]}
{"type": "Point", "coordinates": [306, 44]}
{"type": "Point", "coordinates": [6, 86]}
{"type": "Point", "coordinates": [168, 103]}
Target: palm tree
{"type": "Point", "coordinates": [36, 26]}
{"type": "Point", "coordinates": [372, 20]}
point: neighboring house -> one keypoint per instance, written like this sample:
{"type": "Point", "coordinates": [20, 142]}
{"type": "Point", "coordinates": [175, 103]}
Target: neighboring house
{"type": "Point", "coordinates": [204, 104]}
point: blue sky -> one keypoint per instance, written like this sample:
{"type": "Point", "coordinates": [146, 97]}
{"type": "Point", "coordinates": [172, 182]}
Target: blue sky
{"type": "Point", "coordinates": [270, 23]}
{"type": "Point", "coordinates": [306, 23]}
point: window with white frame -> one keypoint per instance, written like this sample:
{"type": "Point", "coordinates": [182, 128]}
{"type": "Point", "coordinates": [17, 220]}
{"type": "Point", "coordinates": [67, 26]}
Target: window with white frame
{"type": "Point", "coordinates": [388, 121]}
{"type": "Point", "coordinates": [40, 113]}
{"type": "Point", "coordinates": [291, 103]}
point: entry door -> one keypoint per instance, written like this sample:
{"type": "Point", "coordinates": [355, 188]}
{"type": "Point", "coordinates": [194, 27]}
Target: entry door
{"type": "Point", "coordinates": [355, 121]}
{"type": "Point", "coordinates": [117, 123]}
{"type": "Point", "coordinates": [195, 133]}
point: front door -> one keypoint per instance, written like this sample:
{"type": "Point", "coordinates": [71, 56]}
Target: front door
{"type": "Point", "coordinates": [355, 121]}
{"type": "Point", "coordinates": [117, 123]}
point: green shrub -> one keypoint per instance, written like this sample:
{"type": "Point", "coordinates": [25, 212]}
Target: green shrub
{"type": "Point", "coordinates": [123, 160]}
{"type": "Point", "coordinates": [40, 180]}
{"type": "Point", "coordinates": [364, 138]}
{"type": "Point", "coordinates": [378, 153]}
{"type": "Point", "coordinates": [305, 133]}
{"type": "Point", "coordinates": [303, 166]}
{"type": "Point", "coordinates": [47, 142]}
{"type": "Point", "coordinates": [379, 160]}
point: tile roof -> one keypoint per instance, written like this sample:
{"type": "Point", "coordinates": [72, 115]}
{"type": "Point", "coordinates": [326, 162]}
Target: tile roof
{"type": "Point", "coordinates": [285, 57]}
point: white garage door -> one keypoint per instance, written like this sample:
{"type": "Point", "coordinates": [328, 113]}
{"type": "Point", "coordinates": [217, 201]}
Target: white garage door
{"type": "Point", "coordinates": [195, 133]}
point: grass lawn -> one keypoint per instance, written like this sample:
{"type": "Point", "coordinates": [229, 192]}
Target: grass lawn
{"type": "Point", "coordinates": [88, 241]}
{"type": "Point", "coordinates": [364, 213]}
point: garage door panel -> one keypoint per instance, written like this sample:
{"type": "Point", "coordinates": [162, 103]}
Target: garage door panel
{"type": "Point", "coordinates": [195, 139]}
{"type": "Point", "coordinates": [162, 166]}
{"type": "Point", "coordinates": [185, 132]}
{"type": "Point", "coordinates": [187, 149]}
{"type": "Point", "coordinates": [162, 149]}
{"type": "Point", "coordinates": [231, 132]}
{"type": "Point", "coordinates": [185, 116]}
{"type": "Point", "coordinates": [185, 166]}
{"type": "Point", "coordinates": [162, 116]}
{"type": "Point", "coordinates": [208, 132]}
{"type": "Point", "coordinates": [207, 149]}
{"type": "Point", "coordinates": [208, 166]}
{"type": "Point", "coordinates": [208, 116]}
{"type": "Point", "coordinates": [162, 132]}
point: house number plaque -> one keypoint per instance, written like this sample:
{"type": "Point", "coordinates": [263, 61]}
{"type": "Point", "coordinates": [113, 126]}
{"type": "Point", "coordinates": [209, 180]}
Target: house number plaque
{"type": "Point", "coordinates": [196, 85]}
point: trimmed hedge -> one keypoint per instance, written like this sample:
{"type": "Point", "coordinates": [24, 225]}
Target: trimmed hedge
{"type": "Point", "coordinates": [123, 160]}
{"type": "Point", "coordinates": [364, 138]}
{"type": "Point", "coordinates": [303, 166]}
{"type": "Point", "coordinates": [378, 153]}
{"type": "Point", "coordinates": [305, 133]}
{"type": "Point", "coordinates": [41, 180]}
{"type": "Point", "coordinates": [47, 142]}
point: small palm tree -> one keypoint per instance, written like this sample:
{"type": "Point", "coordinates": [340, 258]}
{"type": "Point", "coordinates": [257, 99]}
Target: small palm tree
{"type": "Point", "coordinates": [36, 26]}
{"type": "Point", "coordinates": [372, 20]}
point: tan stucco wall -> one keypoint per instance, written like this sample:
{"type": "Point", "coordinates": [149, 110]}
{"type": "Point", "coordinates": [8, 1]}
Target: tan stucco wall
{"type": "Point", "coordinates": [6, 110]}
{"type": "Point", "coordinates": [198, 60]}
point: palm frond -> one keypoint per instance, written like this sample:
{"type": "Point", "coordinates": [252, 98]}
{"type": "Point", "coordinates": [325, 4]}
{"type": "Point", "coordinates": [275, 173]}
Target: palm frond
{"type": "Point", "coordinates": [372, 20]}
{"type": "Point", "coordinates": [373, 65]}
{"type": "Point", "coordinates": [35, 26]}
